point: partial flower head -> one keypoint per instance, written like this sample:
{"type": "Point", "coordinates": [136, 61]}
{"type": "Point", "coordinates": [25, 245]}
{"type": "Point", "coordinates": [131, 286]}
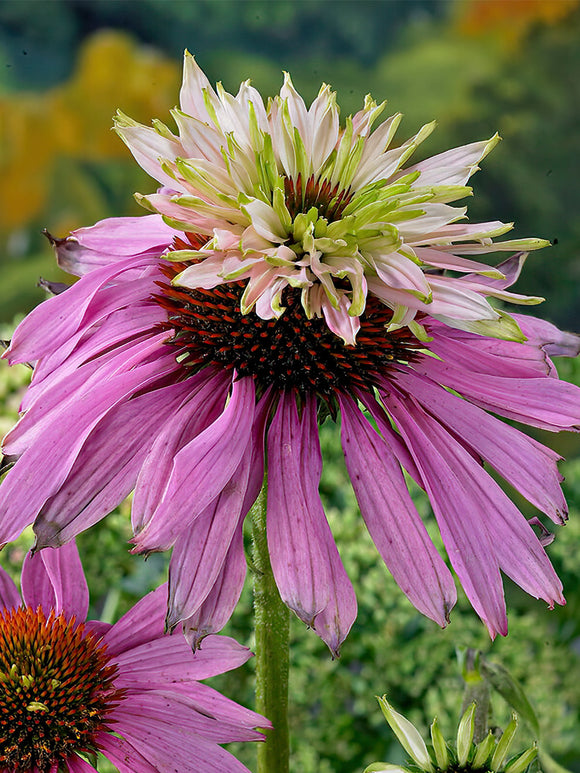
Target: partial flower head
{"type": "Point", "coordinates": [70, 689]}
{"type": "Point", "coordinates": [488, 756]}
{"type": "Point", "coordinates": [287, 198]}
{"type": "Point", "coordinates": [150, 377]}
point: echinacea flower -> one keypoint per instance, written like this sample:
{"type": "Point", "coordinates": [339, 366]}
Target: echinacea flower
{"type": "Point", "coordinates": [70, 689]}
{"type": "Point", "coordinates": [194, 348]}
{"type": "Point", "coordinates": [490, 754]}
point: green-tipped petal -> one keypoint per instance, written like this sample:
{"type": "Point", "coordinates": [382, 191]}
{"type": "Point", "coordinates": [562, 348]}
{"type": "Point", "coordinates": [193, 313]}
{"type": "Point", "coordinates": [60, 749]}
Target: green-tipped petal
{"type": "Point", "coordinates": [465, 735]}
{"type": "Point", "coordinates": [408, 736]}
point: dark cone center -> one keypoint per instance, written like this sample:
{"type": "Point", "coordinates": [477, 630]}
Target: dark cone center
{"type": "Point", "coordinates": [56, 690]}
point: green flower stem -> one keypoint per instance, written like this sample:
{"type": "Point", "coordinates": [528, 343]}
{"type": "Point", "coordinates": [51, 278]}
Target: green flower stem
{"type": "Point", "coordinates": [476, 690]}
{"type": "Point", "coordinates": [272, 621]}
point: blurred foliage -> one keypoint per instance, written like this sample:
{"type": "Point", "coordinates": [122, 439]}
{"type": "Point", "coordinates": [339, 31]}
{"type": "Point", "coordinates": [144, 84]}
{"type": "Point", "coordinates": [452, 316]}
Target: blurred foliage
{"type": "Point", "coordinates": [391, 649]}
{"type": "Point", "coordinates": [477, 66]}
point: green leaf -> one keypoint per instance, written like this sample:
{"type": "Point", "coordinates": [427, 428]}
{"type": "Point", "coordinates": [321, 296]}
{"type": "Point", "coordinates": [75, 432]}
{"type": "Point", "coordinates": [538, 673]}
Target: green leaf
{"type": "Point", "coordinates": [505, 684]}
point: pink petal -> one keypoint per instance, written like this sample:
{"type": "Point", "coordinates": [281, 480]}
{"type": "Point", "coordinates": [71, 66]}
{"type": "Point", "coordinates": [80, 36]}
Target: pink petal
{"type": "Point", "coordinates": [199, 553]}
{"type": "Point", "coordinates": [511, 268]}
{"type": "Point", "coordinates": [54, 579]}
{"type": "Point", "coordinates": [457, 485]}
{"type": "Point", "coordinates": [143, 623]}
{"type": "Point", "coordinates": [160, 662]}
{"type": "Point", "coordinates": [391, 517]}
{"type": "Point", "coordinates": [527, 465]}
{"type": "Point", "coordinates": [124, 756]}
{"type": "Point", "coordinates": [541, 402]}
{"type": "Point", "coordinates": [207, 395]}
{"type": "Point", "coordinates": [44, 467]}
{"type": "Point", "coordinates": [119, 327]}
{"type": "Point", "coordinates": [202, 469]}
{"type": "Point", "coordinates": [126, 235]}
{"type": "Point", "coordinates": [107, 466]}
{"type": "Point", "coordinates": [9, 595]}
{"type": "Point", "coordinates": [51, 324]}
{"type": "Point", "coordinates": [211, 702]}
{"type": "Point", "coordinates": [497, 358]}
{"type": "Point", "coordinates": [334, 622]}
{"type": "Point", "coordinates": [555, 342]}
{"type": "Point", "coordinates": [452, 495]}
{"type": "Point", "coordinates": [64, 393]}
{"type": "Point", "coordinates": [295, 539]}
{"type": "Point", "coordinates": [157, 726]}
{"type": "Point", "coordinates": [219, 730]}
{"type": "Point", "coordinates": [87, 249]}
{"type": "Point", "coordinates": [216, 609]}
{"type": "Point", "coordinates": [78, 765]}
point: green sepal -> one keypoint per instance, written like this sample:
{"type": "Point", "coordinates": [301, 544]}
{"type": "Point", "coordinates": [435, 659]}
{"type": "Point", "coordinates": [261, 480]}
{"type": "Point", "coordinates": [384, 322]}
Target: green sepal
{"type": "Point", "coordinates": [521, 762]}
{"type": "Point", "coordinates": [439, 746]}
{"type": "Point", "coordinates": [483, 751]}
{"type": "Point", "coordinates": [503, 745]}
{"type": "Point", "coordinates": [465, 735]}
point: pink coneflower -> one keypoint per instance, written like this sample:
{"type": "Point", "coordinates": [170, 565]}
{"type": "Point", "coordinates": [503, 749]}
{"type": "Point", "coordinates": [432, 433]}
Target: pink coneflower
{"type": "Point", "coordinates": [70, 689]}
{"type": "Point", "coordinates": [297, 272]}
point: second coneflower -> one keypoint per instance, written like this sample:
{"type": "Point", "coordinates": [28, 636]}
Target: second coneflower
{"type": "Point", "coordinates": [298, 274]}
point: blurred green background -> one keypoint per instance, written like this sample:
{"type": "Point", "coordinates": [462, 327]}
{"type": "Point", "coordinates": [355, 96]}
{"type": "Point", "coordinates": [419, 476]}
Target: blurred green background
{"type": "Point", "coordinates": [477, 66]}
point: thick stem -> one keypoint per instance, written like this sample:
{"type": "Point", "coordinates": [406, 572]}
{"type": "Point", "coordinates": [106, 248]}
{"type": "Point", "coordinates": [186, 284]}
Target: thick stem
{"type": "Point", "coordinates": [476, 690]}
{"type": "Point", "coordinates": [272, 620]}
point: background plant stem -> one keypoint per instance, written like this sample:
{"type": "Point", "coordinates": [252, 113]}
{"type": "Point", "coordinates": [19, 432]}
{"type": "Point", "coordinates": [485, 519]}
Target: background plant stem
{"type": "Point", "coordinates": [272, 622]}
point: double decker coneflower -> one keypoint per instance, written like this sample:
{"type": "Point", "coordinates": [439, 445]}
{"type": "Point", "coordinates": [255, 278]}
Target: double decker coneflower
{"type": "Point", "coordinates": [294, 270]}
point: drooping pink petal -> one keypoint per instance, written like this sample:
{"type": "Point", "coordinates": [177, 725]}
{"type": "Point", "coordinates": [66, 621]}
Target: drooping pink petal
{"type": "Point", "coordinates": [495, 524]}
{"type": "Point", "coordinates": [51, 323]}
{"type": "Point", "coordinates": [523, 462]}
{"type": "Point", "coordinates": [118, 328]}
{"type": "Point", "coordinates": [54, 579]}
{"type": "Point", "coordinates": [391, 518]}
{"type": "Point", "coordinates": [334, 622]}
{"type": "Point", "coordinates": [454, 486]}
{"type": "Point", "coordinates": [541, 402]}
{"type": "Point", "coordinates": [204, 402]}
{"type": "Point", "coordinates": [216, 609]}
{"type": "Point", "coordinates": [105, 242]}
{"type": "Point", "coordinates": [555, 342]}
{"type": "Point", "coordinates": [66, 393]}
{"type": "Point", "coordinates": [201, 469]}
{"type": "Point", "coordinates": [107, 466]}
{"type": "Point", "coordinates": [297, 549]}
{"type": "Point", "coordinates": [199, 553]}
{"type": "Point", "coordinates": [44, 467]}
